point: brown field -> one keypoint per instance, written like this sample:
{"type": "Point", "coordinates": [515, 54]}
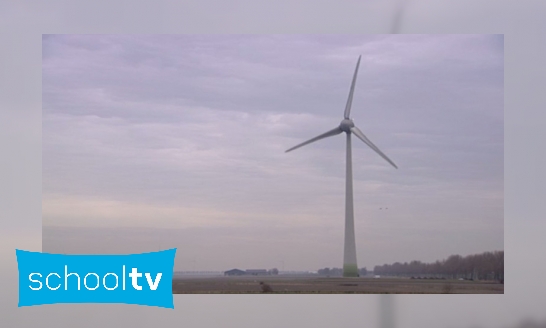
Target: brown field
{"type": "Point", "coordinates": [323, 285]}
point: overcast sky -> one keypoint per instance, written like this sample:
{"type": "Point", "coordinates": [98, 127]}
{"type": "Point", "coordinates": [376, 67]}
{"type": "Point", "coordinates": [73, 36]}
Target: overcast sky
{"type": "Point", "coordinates": [151, 142]}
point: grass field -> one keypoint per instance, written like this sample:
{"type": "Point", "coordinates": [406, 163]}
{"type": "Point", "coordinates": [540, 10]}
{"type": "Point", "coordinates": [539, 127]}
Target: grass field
{"type": "Point", "coordinates": [321, 285]}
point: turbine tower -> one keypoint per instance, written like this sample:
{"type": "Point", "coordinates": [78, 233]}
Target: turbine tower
{"type": "Point", "coordinates": [350, 267]}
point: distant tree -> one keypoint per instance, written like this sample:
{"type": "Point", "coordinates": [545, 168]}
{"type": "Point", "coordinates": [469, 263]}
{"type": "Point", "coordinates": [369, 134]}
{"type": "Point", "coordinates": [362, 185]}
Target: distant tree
{"type": "Point", "coordinates": [265, 287]}
{"type": "Point", "coordinates": [333, 272]}
{"type": "Point", "coordinates": [273, 271]}
{"type": "Point", "coordinates": [362, 272]}
{"type": "Point", "coordinates": [324, 272]}
{"type": "Point", "coordinates": [453, 265]}
{"type": "Point", "coordinates": [336, 272]}
{"type": "Point", "coordinates": [484, 266]}
{"type": "Point", "coordinates": [499, 265]}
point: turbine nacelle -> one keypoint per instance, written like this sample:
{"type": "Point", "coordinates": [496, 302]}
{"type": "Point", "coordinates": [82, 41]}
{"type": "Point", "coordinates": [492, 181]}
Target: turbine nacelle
{"type": "Point", "coordinates": [346, 125]}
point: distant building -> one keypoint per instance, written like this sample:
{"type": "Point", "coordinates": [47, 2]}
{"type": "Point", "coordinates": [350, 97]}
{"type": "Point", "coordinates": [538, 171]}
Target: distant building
{"type": "Point", "coordinates": [257, 272]}
{"type": "Point", "coordinates": [234, 272]}
{"type": "Point", "coordinates": [250, 272]}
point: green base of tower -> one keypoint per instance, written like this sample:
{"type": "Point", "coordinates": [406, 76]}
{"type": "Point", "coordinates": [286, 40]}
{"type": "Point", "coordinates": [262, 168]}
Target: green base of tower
{"type": "Point", "coordinates": [350, 270]}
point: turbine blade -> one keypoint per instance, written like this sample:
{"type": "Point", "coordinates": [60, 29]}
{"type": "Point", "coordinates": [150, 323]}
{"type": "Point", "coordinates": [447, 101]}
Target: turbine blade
{"type": "Point", "coordinates": [367, 141]}
{"type": "Point", "coordinates": [330, 133]}
{"type": "Point", "coordinates": [350, 100]}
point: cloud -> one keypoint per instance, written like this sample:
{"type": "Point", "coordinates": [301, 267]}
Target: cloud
{"type": "Point", "coordinates": [192, 130]}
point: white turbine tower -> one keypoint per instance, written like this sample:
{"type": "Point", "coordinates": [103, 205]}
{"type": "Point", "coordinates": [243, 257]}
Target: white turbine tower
{"type": "Point", "coordinates": [350, 268]}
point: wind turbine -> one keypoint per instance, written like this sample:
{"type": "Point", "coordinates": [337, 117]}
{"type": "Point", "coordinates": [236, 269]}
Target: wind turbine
{"type": "Point", "coordinates": [350, 268]}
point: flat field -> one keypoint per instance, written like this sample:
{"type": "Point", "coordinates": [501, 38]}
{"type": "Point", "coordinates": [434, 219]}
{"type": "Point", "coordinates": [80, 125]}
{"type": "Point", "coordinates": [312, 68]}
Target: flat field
{"type": "Point", "coordinates": [322, 285]}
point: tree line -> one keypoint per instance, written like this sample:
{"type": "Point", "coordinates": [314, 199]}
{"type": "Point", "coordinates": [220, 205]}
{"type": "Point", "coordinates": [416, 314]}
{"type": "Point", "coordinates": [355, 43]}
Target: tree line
{"type": "Point", "coordinates": [338, 272]}
{"type": "Point", "coordinates": [484, 266]}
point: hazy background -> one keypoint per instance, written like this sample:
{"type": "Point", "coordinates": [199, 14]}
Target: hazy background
{"type": "Point", "coordinates": [21, 189]}
{"type": "Point", "coordinates": [185, 136]}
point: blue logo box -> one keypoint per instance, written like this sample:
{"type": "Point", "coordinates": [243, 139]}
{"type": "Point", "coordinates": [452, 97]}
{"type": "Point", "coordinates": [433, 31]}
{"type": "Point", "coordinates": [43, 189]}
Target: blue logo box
{"type": "Point", "coordinates": [143, 279]}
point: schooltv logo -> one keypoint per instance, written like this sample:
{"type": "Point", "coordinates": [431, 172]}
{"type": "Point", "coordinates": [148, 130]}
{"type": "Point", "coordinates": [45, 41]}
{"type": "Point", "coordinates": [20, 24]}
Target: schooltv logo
{"type": "Point", "coordinates": [143, 279]}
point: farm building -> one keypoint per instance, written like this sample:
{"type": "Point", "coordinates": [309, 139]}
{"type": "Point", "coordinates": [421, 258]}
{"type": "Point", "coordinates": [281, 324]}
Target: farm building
{"type": "Point", "coordinates": [234, 272]}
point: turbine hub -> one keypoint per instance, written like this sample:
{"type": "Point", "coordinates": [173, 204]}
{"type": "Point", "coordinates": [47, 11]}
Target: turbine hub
{"type": "Point", "coordinates": [346, 125]}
